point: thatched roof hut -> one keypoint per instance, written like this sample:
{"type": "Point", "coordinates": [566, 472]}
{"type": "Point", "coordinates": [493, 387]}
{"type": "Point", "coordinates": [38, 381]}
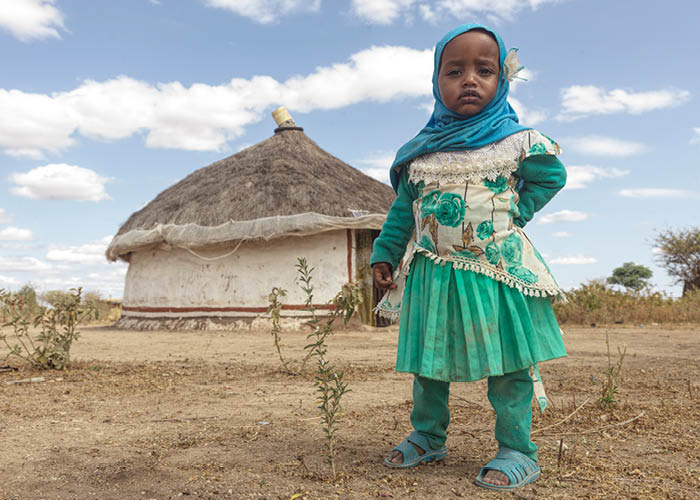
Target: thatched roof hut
{"type": "Point", "coordinates": [214, 244]}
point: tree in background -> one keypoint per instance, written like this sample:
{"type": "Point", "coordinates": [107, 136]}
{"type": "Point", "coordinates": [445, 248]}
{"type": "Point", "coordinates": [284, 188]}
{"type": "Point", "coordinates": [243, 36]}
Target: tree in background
{"type": "Point", "coordinates": [55, 297]}
{"type": "Point", "coordinates": [105, 309]}
{"type": "Point", "coordinates": [29, 299]}
{"type": "Point", "coordinates": [28, 294]}
{"type": "Point", "coordinates": [630, 275]}
{"type": "Point", "coordinates": [679, 254]}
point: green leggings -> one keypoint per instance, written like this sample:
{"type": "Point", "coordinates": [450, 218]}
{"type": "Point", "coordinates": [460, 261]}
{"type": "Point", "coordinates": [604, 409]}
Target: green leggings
{"type": "Point", "coordinates": [510, 395]}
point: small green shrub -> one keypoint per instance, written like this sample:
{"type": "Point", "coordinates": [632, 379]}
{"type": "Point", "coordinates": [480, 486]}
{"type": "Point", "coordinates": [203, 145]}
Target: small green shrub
{"type": "Point", "coordinates": [274, 310]}
{"type": "Point", "coordinates": [107, 309]}
{"type": "Point", "coordinates": [30, 304]}
{"type": "Point", "coordinates": [50, 348]}
{"type": "Point", "coordinates": [329, 381]}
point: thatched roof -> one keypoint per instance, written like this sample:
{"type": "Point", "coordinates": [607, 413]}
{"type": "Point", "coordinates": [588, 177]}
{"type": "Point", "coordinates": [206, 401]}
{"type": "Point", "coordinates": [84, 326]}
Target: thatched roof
{"type": "Point", "coordinates": [285, 175]}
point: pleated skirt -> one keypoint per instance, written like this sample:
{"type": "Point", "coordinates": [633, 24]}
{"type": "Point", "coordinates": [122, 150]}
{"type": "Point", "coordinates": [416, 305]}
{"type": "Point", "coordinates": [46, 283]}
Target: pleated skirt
{"type": "Point", "coordinates": [460, 326]}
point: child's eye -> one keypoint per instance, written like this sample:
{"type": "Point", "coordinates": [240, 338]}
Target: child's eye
{"type": "Point", "coordinates": [454, 72]}
{"type": "Point", "coordinates": [485, 71]}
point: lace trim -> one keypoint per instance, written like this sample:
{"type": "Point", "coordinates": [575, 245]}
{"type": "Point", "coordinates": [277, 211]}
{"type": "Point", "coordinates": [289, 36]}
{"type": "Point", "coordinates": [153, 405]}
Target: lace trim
{"type": "Point", "coordinates": [466, 264]}
{"type": "Point", "coordinates": [499, 159]}
{"type": "Point", "coordinates": [383, 311]}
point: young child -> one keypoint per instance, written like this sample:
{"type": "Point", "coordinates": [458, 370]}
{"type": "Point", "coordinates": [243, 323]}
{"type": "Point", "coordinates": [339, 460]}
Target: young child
{"type": "Point", "coordinates": [472, 292]}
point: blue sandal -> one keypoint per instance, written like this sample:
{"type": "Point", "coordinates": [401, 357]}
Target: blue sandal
{"type": "Point", "coordinates": [411, 458]}
{"type": "Point", "coordinates": [519, 468]}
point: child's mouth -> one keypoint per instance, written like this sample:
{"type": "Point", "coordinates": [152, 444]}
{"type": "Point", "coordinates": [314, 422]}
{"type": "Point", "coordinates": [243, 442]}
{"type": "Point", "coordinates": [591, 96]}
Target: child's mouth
{"type": "Point", "coordinates": [469, 97]}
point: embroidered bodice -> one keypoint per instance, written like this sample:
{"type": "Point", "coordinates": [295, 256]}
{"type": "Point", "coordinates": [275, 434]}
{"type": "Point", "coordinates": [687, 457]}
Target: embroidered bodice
{"type": "Point", "coordinates": [466, 208]}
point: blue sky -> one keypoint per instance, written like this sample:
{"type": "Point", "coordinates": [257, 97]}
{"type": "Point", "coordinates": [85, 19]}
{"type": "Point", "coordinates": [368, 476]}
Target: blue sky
{"type": "Point", "coordinates": [105, 104]}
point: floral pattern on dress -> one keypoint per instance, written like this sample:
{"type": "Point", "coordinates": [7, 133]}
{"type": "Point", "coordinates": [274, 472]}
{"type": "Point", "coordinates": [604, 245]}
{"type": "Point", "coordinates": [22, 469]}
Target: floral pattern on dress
{"type": "Point", "coordinates": [538, 149]}
{"type": "Point", "coordinates": [448, 208]}
{"type": "Point", "coordinates": [429, 203]}
{"type": "Point", "coordinates": [539, 144]}
{"type": "Point", "coordinates": [512, 249]}
{"type": "Point", "coordinates": [523, 273]}
{"type": "Point", "coordinates": [484, 229]}
{"type": "Point", "coordinates": [493, 253]}
{"type": "Point", "coordinates": [470, 223]}
{"type": "Point", "coordinates": [513, 210]}
{"type": "Point", "coordinates": [497, 186]}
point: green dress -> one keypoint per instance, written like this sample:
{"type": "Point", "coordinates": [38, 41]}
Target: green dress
{"type": "Point", "coordinates": [475, 294]}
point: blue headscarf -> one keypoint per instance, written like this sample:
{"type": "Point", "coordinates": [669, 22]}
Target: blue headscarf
{"type": "Point", "coordinates": [450, 131]}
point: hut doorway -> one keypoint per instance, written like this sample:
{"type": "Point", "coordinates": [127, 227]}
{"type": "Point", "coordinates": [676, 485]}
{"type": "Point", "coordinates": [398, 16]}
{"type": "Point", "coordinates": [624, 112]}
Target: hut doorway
{"type": "Point", "coordinates": [371, 295]}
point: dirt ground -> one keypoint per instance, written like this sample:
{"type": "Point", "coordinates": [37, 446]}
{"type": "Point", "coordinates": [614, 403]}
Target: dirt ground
{"type": "Point", "coordinates": [163, 415]}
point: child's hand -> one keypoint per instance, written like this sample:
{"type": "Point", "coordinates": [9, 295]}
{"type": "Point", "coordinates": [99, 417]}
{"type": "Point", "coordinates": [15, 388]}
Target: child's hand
{"type": "Point", "coordinates": [381, 272]}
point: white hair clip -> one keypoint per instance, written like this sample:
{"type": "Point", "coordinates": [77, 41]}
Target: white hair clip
{"type": "Point", "coordinates": [511, 66]}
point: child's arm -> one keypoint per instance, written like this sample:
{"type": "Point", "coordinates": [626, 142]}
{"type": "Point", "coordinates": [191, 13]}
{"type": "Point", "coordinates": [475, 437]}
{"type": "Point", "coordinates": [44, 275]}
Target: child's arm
{"type": "Point", "coordinates": [543, 176]}
{"type": "Point", "coordinates": [390, 245]}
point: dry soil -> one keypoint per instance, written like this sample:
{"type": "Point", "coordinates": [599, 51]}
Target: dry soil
{"type": "Point", "coordinates": [191, 414]}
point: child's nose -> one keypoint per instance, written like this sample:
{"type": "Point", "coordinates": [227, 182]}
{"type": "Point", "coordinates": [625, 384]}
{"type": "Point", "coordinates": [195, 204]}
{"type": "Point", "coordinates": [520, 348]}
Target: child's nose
{"type": "Point", "coordinates": [468, 78]}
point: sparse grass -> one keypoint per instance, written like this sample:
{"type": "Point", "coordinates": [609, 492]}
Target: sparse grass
{"type": "Point", "coordinates": [596, 302]}
{"type": "Point", "coordinates": [611, 379]}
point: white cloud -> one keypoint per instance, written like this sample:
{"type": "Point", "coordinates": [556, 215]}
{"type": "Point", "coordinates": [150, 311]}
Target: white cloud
{"type": "Point", "coordinates": [30, 123]}
{"type": "Point", "coordinates": [696, 136]}
{"type": "Point", "coordinates": [265, 11]}
{"type": "Point", "coordinates": [23, 264]}
{"type": "Point", "coordinates": [20, 246]}
{"type": "Point", "coordinates": [657, 193]}
{"type": "Point", "coordinates": [525, 75]}
{"type": "Point", "coordinates": [380, 11]}
{"type": "Point", "coordinates": [562, 234]}
{"type": "Point", "coordinates": [114, 109]}
{"type": "Point", "coordinates": [526, 116]}
{"type": "Point", "coordinates": [380, 174]}
{"type": "Point", "coordinates": [110, 283]}
{"type": "Point", "coordinates": [106, 279]}
{"type": "Point", "coordinates": [12, 233]}
{"type": "Point", "coordinates": [427, 106]}
{"type": "Point", "coordinates": [574, 259]}
{"type": "Point", "coordinates": [202, 117]}
{"type": "Point", "coordinates": [583, 100]}
{"type": "Point", "coordinates": [72, 266]}
{"type": "Point", "coordinates": [376, 74]}
{"type": "Point", "coordinates": [428, 13]}
{"type": "Point", "coordinates": [377, 164]}
{"type": "Point", "coordinates": [4, 217]}
{"type": "Point", "coordinates": [31, 19]}
{"type": "Point", "coordinates": [89, 253]}
{"type": "Point", "coordinates": [58, 181]}
{"type": "Point", "coordinates": [6, 281]}
{"type": "Point", "coordinates": [562, 216]}
{"type": "Point", "coordinates": [495, 9]}
{"type": "Point", "coordinates": [579, 177]}
{"type": "Point", "coordinates": [386, 12]}
{"type": "Point", "coordinates": [603, 146]}
{"type": "Point", "coordinates": [379, 159]}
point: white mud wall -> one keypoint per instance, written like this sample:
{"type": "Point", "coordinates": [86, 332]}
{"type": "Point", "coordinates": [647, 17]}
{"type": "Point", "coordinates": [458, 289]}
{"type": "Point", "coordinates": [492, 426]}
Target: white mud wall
{"type": "Point", "coordinates": [178, 279]}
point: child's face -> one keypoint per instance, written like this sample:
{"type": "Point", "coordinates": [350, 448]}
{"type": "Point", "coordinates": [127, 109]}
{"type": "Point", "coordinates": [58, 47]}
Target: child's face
{"type": "Point", "coordinates": [468, 74]}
